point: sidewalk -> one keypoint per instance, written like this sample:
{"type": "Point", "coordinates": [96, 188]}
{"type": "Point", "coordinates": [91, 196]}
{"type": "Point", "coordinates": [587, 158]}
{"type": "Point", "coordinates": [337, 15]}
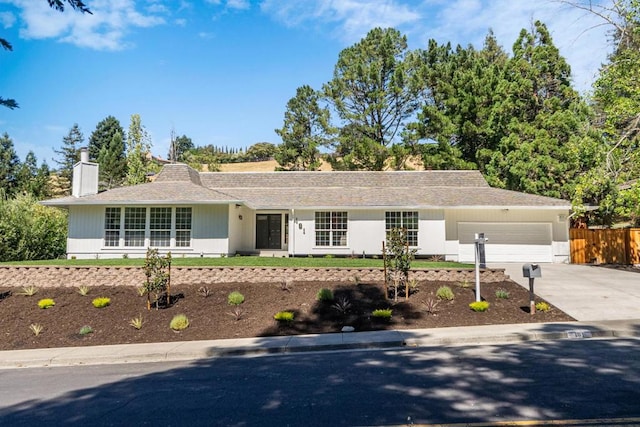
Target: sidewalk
{"type": "Point", "coordinates": [193, 350]}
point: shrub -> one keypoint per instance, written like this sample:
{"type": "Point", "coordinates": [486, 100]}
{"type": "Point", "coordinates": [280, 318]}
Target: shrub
{"type": "Point", "coordinates": [29, 291]}
{"type": "Point", "coordinates": [382, 313]}
{"type": "Point", "coordinates": [136, 322]}
{"type": "Point", "coordinates": [284, 316]}
{"type": "Point", "coordinates": [36, 328]}
{"type": "Point", "coordinates": [430, 306]}
{"type": "Point", "coordinates": [204, 291]}
{"type": "Point", "coordinates": [83, 290]}
{"type": "Point", "coordinates": [465, 284]}
{"type": "Point", "coordinates": [235, 298]}
{"type": "Point", "coordinates": [101, 302]}
{"type": "Point", "coordinates": [324, 294]}
{"type": "Point", "coordinates": [543, 306]}
{"type": "Point", "coordinates": [479, 306]}
{"type": "Point", "coordinates": [179, 322]}
{"type": "Point", "coordinates": [502, 294]}
{"type": "Point", "coordinates": [86, 330]}
{"type": "Point", "coordinates": [342, 305]}
{"type": "Point", "coordinates": [46, 303]}
{"type": "Point", "coordinates": [237, 312]}
{"type": "Point", "coordinates": [445, 293]}
{"type": "Point", "coordinates": [142, 291]}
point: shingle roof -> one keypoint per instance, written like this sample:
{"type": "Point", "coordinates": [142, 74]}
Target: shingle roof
{"type": "Point", "coordinates": [180, 184]}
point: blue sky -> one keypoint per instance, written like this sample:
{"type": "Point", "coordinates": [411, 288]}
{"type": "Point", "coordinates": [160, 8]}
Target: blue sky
{"type": "Point", "coordinates": [222, 71]}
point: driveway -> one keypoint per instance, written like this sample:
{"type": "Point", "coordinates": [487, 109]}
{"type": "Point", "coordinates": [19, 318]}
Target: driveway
{"type": "Point", "coordinates": [584, 292]}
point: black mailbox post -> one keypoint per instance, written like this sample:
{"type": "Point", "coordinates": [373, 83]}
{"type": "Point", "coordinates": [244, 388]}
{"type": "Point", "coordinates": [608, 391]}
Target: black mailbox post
{"type": "Point", "coordinates": [531, 271]}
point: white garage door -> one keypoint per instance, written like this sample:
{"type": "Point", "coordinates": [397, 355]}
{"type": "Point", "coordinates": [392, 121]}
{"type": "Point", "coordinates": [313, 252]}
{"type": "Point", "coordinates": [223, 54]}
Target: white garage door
{"type": "Point", "coordinates": [508, 242]}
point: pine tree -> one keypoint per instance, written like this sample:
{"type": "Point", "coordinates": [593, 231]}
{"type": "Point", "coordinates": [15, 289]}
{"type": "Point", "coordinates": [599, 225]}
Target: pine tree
{"type": "Point", "coordinates": [69, 156]}
{"type": "Point", "coordinates": [138, 152]}
{"type": "Point", "coordinates": [113, 167]}
{"type": "Point", "coordinates": [9, 166]}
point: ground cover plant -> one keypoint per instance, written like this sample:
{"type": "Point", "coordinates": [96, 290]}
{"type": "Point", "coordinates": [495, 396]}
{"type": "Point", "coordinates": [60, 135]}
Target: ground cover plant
{"type": "Point", "coordinates": [209, 318]}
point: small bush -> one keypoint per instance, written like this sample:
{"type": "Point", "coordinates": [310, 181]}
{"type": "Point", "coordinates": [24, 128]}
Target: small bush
{"type": "Point", "coordinates": [83, 290]}
{"type": "Point", "coordinates": [28, 291]}
{"type": "Point", "coordinates": [286, 285]}
{"type": "Point", "coordinates": [101, 302]}
{"type": "Point", "coordinates": [342, 305]}
{"type": "Point", "coordinates": [136, 322]}
{"type": "Point", "coordinates": [430, 306]}
{"type": "Point", "coordinates": [465, 284]}
{"type": "Point", "coordinates": [382, 313]}
{"type": "Point", "coordinates": [542, 306]}
{"type": "Point", "coordinates": [445, 293]}
{"type": "Point", "coordinates": [502, 294]}
{"type": "Point", "coordinates": [237, 312]}
{"type": "Point", "coordinates": [86, 330]}
{"type": "Point", "coordinates": [204, 291]}
{"type": "Point", "coordinates": [235, 298]}
{"type": "Point", "coordinates": [46, 303]}
{"type": "Point", "coordinates": [284, 316]}
{"type": "Point", "coordinates": [142, 291]}
{"type": "Point", "coordinates": [479, 306]}
{"type": "Point", "coordinates": [179, 322]}
{"type": "Point", "coordinates": [324, 294]}
{"type": "Point", "coordinates": [36, 328]}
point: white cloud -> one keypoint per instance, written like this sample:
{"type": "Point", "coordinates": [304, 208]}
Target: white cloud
{"type": "Point", "coordinates": [7, 19]}
{"type": "Point", "coordinates": [238, 4]}
{"type": "Point", "coordinates": [105, 29]}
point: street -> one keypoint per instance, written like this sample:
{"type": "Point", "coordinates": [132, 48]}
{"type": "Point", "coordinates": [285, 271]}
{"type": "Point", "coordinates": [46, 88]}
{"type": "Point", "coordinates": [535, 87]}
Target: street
{"type": "Point", "coordinates": [547, 380]}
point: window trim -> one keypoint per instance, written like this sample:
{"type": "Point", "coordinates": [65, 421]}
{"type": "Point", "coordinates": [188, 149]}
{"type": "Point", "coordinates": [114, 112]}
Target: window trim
{"type": "Point", "coordinates": [410, 231]}
{"type": "Point", "coordinates": [337, 227]}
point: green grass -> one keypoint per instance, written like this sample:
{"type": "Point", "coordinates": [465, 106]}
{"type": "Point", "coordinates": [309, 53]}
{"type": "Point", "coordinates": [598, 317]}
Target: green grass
{"type": "Point", "coordinates": [243, 261]}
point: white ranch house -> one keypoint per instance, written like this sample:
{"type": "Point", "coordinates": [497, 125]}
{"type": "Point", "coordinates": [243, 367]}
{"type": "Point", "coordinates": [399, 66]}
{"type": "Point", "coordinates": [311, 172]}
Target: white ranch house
{"type": "Point", "coordinates": [310, 213]}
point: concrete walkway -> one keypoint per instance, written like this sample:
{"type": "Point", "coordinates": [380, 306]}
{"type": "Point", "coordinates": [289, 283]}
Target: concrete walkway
{"type": "Point", "coordinates": [605, 302]}
{"type": "Point", "coordinates": [585, 292]}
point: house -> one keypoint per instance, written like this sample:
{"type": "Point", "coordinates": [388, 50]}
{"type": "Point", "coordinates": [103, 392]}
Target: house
{"type": "Point", "coordinates": [311, 213]}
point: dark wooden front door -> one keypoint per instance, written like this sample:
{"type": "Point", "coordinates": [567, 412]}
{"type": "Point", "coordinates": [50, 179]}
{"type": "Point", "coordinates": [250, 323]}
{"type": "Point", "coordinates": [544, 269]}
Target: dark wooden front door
{"type": "Point", "coordinates": [268, 231]}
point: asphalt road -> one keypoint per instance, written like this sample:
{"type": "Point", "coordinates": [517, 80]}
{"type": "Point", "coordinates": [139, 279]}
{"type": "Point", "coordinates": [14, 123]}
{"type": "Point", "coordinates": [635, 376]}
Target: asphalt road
{"type": "Point", "coordinates": [587, 379]}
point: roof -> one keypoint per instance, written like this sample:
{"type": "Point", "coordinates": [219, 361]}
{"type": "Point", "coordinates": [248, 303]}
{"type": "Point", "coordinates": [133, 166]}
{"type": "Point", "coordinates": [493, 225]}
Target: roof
{"type": "Point", "coordinates": [180, 184]}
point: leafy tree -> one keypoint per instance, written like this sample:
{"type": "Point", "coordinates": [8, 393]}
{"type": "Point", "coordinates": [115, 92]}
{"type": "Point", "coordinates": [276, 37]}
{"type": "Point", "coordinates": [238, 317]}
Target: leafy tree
{"type": "Point", "coordinates": [69, 155]}
{"type": "Point", "coordinates": [57, 5]}
{"type": "Point", "coordinates": [200, 157]}
{"type": "Point", "coordinates": [103, 135]}
{"type": "Point", "coordinates": [306, 127]}
{"type": "Point", "coordinates": [9, 165]}
{"type": "Point", "coordinates": [138, 152]}
{"type": "Point", "coordinates": [179, 147]}
{"type": "Point", "coordinates": [260, 151]}
{"type": "Point", "coordinates": [375, 88]}
{"type": "Point", "coordinates": [30, 231]}
{"type": "Point", "coordinates": [113, 165]}
{"type": "Point", "coordinates": [32, 179]}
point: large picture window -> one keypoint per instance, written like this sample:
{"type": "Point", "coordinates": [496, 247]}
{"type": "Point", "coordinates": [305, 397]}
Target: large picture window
{"type": "Point", "coordinates": [160, 227]}
{"type": "Point", "coordinates": [112, 227]}
{"type": "Point", "coordinates": [183, 227]}
{"type": "Point", "coordinates": [403, 220]}
{"type": "Point", "coordinates": [331, 228]}
{"type": "Point", "coordinates": [135, 220]}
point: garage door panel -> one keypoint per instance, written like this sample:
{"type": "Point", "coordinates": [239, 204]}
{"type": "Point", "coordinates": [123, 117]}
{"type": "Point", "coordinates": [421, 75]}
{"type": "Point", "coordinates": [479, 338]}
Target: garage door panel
{"type": "Point", "coordinates": [508, 242]}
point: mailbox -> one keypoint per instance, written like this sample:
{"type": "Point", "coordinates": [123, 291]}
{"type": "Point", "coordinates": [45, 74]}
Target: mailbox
{"type": "Point", "coordinates": [531, 270]}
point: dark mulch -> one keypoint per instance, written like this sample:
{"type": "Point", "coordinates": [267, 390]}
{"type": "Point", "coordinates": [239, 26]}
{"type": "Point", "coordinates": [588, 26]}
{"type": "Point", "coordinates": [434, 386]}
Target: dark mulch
{"type": "Point", "coordinates": [212, 318]}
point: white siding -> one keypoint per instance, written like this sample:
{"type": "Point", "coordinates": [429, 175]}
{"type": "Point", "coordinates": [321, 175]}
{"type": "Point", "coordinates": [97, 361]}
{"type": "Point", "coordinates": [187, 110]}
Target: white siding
{"type": "Point", "coordinates": [86, 231]}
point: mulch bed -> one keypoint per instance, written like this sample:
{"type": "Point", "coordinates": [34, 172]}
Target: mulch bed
{"type": "Point", "coordinates": [212, 318]}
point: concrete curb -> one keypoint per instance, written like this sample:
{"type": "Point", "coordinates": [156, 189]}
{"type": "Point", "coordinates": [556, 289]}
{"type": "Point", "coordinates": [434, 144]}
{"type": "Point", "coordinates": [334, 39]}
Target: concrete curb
{"type": "Point", "coordinates": [195, 350]}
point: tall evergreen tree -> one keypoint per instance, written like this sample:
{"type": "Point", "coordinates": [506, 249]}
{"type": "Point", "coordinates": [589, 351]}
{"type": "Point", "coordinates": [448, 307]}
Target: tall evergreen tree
{"type": "Point", "coordinates": [306, 128]}
{"type": "Point", "coordinates": [113, 167]}
{"type": "Point", "coordinates": [32, 179]}
{"type": "Point", "coordinates": [138, 152]}
{"type": "Point", "coordinates": [375, 88]}
{"type": "Point", "coordinates": [9, 166]}
{"type": "Point", "coordinates": [103, 137]}
{"type": "Point", "coordinates": [69, 155]}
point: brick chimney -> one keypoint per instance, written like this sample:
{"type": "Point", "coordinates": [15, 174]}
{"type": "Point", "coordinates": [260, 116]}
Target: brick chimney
{"type": "Point", "coordinates": [85, 176]}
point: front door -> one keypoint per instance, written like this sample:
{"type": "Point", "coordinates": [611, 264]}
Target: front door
{"type": "Point", "coordinates": [268, 231]}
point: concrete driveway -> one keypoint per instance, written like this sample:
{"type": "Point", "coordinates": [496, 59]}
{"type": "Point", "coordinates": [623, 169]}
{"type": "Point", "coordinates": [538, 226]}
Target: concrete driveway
{"type": "Point", "coordinates": [584, 292]}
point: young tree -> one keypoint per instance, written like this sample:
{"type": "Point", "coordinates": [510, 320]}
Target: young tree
{"type": "Point", "coordinates": [57, 5]}
{"type": "Point", "coordinates": [138, 152]}
{"type": "Point", "coordinates": [9, 166]}
{"type": "Point", "coordinates": [306, 127]}
{"type": "Point", "coordinates": [69, 156]}
{"type": "Point", "coordinates": [113, 165]}
{"type": "Point", "coordinates": [32, 179]}
{"type": "Point", "coordinates": [375, 88]}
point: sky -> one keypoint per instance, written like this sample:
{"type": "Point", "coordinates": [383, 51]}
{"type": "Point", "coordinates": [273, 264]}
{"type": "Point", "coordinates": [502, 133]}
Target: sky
{"type": "Point", "coordinates": [221, 71]}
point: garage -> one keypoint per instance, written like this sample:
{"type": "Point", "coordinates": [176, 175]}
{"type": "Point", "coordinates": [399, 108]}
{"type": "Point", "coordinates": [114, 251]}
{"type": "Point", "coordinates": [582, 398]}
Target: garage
{"type": "Point", "coordinates": [508, 242]}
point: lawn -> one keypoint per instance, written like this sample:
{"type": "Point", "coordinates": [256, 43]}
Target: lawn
{"type": "Point", "coordinates": [244, 261]}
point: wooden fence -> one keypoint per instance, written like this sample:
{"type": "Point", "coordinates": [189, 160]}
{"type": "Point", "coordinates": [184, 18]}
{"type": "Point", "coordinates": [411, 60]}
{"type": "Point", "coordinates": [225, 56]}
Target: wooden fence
{"type": "Point", "coordinates": [606, 246]}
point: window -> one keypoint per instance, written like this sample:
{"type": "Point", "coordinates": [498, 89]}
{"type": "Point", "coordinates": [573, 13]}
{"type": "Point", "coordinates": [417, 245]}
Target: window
{"type": "Point", "coordinates": [112, 227]}
{"type": "Point", "coordinates": [183, 227]}
{"type": "Point", "coordinates": [160, 227]}
{"type": "Point", "coordinates": [331, 229]}
{"type": "Point", "coordinates": [404, 220]}
{"type": "Point", "coordinates": [134, 226]}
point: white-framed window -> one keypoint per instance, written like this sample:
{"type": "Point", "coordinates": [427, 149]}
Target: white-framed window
{"type": "Point", "coordinates": [407, 220]}
{"type": "Point", "coordinates": [112, 226]}
{"type": "Point", "coordinates": [135, 220]}
{"type": "Point", "coordinates": [183, 227]}
{"type": "Point", "coordinates": [331, 228]}
{"type": "Point", "coordinates": [160, 227]}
